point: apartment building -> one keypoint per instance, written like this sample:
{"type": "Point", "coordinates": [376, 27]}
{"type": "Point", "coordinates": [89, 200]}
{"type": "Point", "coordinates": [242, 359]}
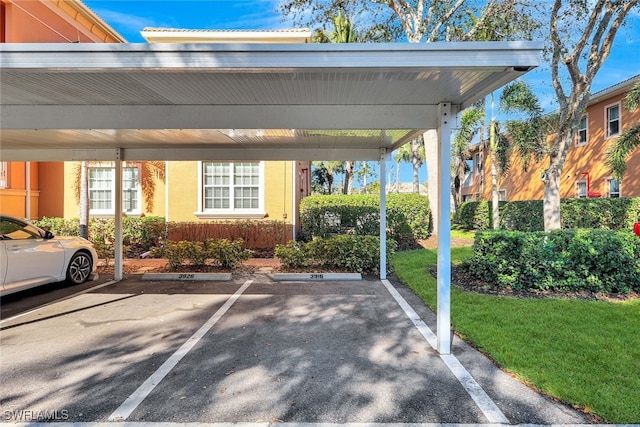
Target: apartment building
{"type": "Point", "coordinates": [585, 173]}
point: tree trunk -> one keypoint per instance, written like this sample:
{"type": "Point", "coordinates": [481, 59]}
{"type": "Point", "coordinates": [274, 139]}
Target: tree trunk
{"type": "Point", "coordinates": [494, 172]}
{"type": "Point", "coordinates": [397, 177]}
{"type": "Point", "coordinates": [348, 177]}
{"type": "Point", "coordinates": [415, 162]}
{"type": "Point", "coordinates": [431, 157]}
{"type": "Point", "coordinates": [83, 213]}
{"type": "Point", "coordinates": [494, 192]}
{"type": "Point", "coordinates": [551, 203]}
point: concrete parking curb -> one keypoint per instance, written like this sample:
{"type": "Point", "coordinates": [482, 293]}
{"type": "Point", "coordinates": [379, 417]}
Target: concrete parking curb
{"type": "Point", "coordinates": [282, 277]}
{"type": "Point", "coordinates": [221, 277]}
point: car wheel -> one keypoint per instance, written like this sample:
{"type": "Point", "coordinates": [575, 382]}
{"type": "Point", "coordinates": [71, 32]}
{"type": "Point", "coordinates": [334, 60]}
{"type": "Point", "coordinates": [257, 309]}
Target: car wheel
{"type": "Point", "coordinates": [79, 268]}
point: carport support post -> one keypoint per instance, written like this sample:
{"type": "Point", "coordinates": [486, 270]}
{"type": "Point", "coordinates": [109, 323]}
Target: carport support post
{"type": "Point", "coordinates": [117, 217]}
{"type": "Point", "coordinates": [383, 214]}
{"type": "Point", "coordinates": [444, 229]}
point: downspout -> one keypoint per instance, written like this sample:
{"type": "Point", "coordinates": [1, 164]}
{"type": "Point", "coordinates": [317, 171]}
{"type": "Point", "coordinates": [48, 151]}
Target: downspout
{"type": "Point", "coordinates": [27, 186]}
{"type": "Point", "coordinates": [294, 196]}
{"type": "Point", "coordinates": [166, 199]}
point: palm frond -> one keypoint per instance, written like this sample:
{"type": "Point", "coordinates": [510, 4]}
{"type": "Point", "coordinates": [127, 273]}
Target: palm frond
{"type": "Point", "coordinates": [632, 100]}
{"type": "Point", "coordinates": [617, 154]}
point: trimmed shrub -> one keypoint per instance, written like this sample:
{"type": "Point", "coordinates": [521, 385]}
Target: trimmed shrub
{"type": "Point", "coordinates": [142, 233]}
{"type": "Point", "coordinates": [348, 251]}
{"type": "Point", "coordinates": [574, 259]}
{"type": "Point", "coordinates": [221, 252]}
{"type": "Point", "coordinates": [408, 216]}
{"type": "Point", "coordinates": [611, 214]}
{"type": "Point", "coordinates": [293, 254]}
{"type": "Point", "coordinates": [225, 253]}
{"type": "Point", "coordinates": [475, 215]}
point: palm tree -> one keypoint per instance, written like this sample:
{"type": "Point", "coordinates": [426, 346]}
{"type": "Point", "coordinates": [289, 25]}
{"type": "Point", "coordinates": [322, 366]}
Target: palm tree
{"type": "Point", "coordinates": [470, 125]}
{"type": "Point", "coordinates": [324, 173]}
{"type": "Point", "coordinates": [343, 32]}
{"type": "Point", "coordinates": [618, 153]}
{"type": "Point", "coordinates": [412, 152]}
{"type": "Point", "coordinates": [403, 155]}
{"type": "Point", "coordinates": [363, 170]}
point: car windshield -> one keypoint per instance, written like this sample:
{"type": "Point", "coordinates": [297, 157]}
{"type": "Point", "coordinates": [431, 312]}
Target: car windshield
{"type": "Point", "coordinates": [18, 230]}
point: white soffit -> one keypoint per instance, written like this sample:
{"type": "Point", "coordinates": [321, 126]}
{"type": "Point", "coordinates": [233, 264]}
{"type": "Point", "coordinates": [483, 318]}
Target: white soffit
{"type": "Point", "coordinates": [238, 101]}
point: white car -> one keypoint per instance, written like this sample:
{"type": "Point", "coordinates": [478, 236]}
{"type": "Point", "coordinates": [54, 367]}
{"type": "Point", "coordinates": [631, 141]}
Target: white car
{"type": "Point", "coordinates": [31, 256]}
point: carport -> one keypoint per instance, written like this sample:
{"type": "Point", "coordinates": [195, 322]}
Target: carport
{"type": "Point", "coordinates": [139, 102]}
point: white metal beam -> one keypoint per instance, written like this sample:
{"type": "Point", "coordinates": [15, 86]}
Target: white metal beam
{"type": "Point", "coordinates": [118, 253]}
{"type": "Point", "coordinates": [444, 229]}
{"type": "Point", "coordinates": [218, 117]}
{"type": "Point", "coordinates": [383, 214]}
{"type": "Point", "coordinates": [262, 57]}
{"type": "Point", "coordinates": [181, 153]}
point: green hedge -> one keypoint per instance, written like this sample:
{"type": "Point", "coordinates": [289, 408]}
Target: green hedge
{"type": "Point", "coordinates": [611, 214]}
{"type": "Point", "coordinates": [571, 259]}
{"type": "Point", "coordinates": [142, 233]}
{"type": "Point", "coordinates": [408, 216]}
{"type": "Point", "coordinates": [220, 252]}
{"type": "Point", "coordinates": [357, 253]}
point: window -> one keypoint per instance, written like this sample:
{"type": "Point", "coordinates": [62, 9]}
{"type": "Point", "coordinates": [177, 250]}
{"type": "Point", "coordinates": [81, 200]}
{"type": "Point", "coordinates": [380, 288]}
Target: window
{"type": "Point", "coordinates": [478, 163]}
{"type": "Point", "coordinates": [12, 230]}
{"type": "Point", "coordinates": [581, 189]}
{"type": "Point", "coordinates": [502, 195]}
{"type": "Point", "coordinates": [582, 131]}
{"type": "Point", "coordinates": [4, 175]}
{"type": "Point", "coordinates": [613, 120]}
{"type": "Point", "coordinates": [102, 190]}
{"type": "Point", "coordinates": [477, 196]}
{"type": "Point", "coordinates": [231, 189]}
{"type": "Point", "coordinates": [613, 188]}
{"type": "Point", "coordinates": [466, 198]}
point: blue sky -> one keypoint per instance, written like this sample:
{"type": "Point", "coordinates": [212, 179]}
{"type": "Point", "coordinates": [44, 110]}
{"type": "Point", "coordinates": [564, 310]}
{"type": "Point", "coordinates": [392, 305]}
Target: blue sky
{"type": "Point", "coordinates": [129, 17]}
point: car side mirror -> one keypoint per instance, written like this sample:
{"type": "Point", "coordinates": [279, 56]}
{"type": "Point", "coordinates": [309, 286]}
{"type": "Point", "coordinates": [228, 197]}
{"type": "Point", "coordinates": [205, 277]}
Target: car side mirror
{"type": "Point", "coordinates": [48, 234]}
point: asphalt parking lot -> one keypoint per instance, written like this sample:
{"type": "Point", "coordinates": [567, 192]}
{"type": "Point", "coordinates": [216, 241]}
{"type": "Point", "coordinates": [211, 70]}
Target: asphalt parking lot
{"type": "Point", "coordinates": [249, 350]}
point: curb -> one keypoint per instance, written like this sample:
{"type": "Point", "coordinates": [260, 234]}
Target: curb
{"type": "Point", "coordinates": [222, 277]}
{"type": "Point", "coordinates": [311, 277]}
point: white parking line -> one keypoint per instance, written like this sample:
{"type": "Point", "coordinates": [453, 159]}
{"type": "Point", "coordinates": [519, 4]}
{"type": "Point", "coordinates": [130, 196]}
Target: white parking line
{"type": "Point", "coordinates": [292, 424]}
{"type": "Point", "coordinates": [128, 406]}
{"type": "Point", "coordinates": [477, 393]}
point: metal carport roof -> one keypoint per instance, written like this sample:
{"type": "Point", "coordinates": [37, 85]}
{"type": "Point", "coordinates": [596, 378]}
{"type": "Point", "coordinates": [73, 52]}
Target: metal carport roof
{"type": "Point", "coordinates": [258, 102]}
{"type": "Point", "coordinates": [64, 102]}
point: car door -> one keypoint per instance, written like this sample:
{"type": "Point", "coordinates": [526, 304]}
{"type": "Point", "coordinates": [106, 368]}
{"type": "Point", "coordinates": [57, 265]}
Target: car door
{"type": "Point", "coordinates": [30, 259]}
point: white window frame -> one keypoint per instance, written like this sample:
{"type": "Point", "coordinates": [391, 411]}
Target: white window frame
{"type": "Point", "coordinates": [502, 195]}
{"type": "Point", "coordinates": [586, 190]}
{"type": "Point", "coordinates": [4, 174]}
{"type": "Point", "coordinates": [477, 163]}
{"type": "Point", "coordinates": [580, 142]}
{"type": "Point", "coordinates": [607, 122]}
{"type": "Point", "coordinates": [607, 190]}
{"type": "Point", "coordinates": [230, 213]}
{"type": "Point", "coordinates": [112, 190]}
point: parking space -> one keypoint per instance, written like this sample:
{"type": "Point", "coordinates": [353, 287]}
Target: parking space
{"type": "Point", "coordinates": [249, 350]}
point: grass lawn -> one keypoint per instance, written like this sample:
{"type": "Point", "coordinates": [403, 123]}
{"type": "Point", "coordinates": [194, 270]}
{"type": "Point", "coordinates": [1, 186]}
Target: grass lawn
{"type": "Point", "coordinates": [585, 353]}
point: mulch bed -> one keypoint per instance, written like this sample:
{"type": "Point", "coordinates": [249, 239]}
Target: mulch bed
{"type": "Point", "coordinates": [461, 278]}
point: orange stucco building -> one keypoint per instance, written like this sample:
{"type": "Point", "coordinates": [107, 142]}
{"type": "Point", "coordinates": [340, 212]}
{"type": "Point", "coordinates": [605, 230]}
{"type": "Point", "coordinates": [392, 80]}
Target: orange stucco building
{"type": "Point", "coordinates": [585, 173]}
{"type": "Point", "coordinates": [34, 189]}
